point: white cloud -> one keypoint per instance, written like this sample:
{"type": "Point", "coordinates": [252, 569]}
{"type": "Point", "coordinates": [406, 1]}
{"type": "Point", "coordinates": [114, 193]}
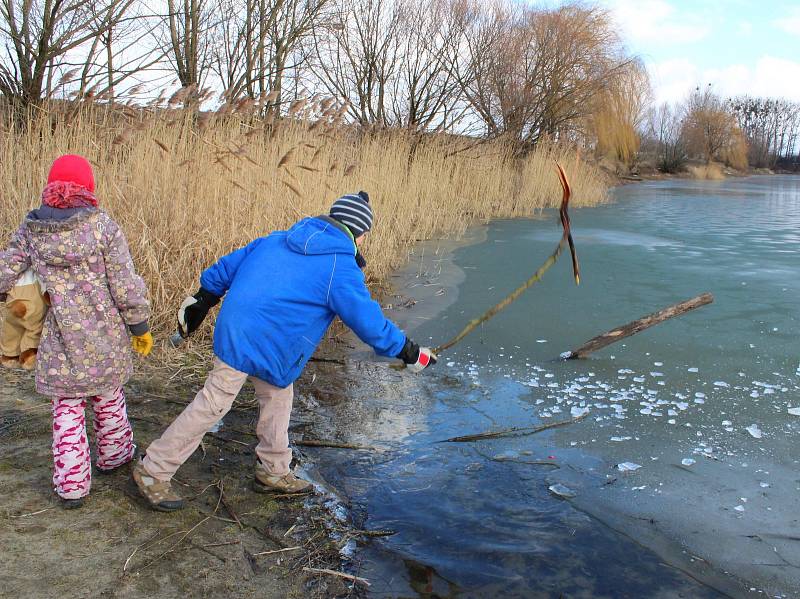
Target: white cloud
{"type": "Point", "coordinates": [789, 23]}
{"type": "Point", "coordinates": [657, 22]}
{"type": "Point", "coordinates": [771, 76]}
{"type": "Point", "coordinates": [673, 79]}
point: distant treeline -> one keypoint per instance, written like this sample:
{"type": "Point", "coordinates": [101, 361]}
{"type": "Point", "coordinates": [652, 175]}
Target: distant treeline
{"type": "Point", "coordinates": [738, 132]}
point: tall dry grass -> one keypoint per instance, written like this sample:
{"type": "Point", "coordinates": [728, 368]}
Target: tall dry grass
{"type": "Point", "coordinates": [710, 172]}
{"type": "Point", "coordinates": [187, 191]}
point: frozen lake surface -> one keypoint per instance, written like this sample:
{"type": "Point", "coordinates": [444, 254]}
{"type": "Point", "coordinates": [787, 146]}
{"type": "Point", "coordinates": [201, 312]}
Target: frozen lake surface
{"type": "Point", "coordinates": [682, 480]}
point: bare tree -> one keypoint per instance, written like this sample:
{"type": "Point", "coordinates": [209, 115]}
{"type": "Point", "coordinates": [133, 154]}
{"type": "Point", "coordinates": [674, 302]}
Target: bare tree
{"type": "Point", "coordinates": [287, 52]}
{"type": "Point", "coordinates": [357, 52]}
{"type": "Point", "coordinates": [535, 72]}
{"type": "Point", "coordinates": [258, 42]}
{"type": "Point", "coordinates": [664, 130]}
{"type": "Point", "coordinates": [426, 93]}
{"type": "Point", "coordinates": [771, 126]}
{"type": "Point", "coordinates": [188, 23]}
{"type": "Point", "coordinates": [710, 130]}
{"type": "Point", "coordinates": [38, 35]}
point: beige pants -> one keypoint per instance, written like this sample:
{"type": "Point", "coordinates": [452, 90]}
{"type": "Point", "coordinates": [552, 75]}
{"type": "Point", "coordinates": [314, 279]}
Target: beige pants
{"type": "Point", "coordinates": [166, 454]}
{"type": "Point", "coordinates": [24, 314]}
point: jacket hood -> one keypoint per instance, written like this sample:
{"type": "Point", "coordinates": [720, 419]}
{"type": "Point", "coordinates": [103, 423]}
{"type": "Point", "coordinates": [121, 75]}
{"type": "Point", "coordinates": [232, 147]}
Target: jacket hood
{"type": "Point", "coordinates": [50, 213]}
{"type": "Point", "coordinates": [314, 236]}
{"type": "Point", "coordinates": [64, 242]}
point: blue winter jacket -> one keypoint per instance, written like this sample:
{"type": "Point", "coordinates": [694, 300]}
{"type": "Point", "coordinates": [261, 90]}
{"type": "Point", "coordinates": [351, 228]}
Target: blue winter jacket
{"type": "Point", "coordinates": [281, 294]}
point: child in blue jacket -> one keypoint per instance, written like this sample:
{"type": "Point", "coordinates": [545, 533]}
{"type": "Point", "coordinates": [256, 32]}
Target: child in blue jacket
{"type": "Point", "coordinates": [281, 294]}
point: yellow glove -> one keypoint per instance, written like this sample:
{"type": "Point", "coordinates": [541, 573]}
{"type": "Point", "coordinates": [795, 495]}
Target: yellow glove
{"type": "Point", "coordinates": [142, 344]}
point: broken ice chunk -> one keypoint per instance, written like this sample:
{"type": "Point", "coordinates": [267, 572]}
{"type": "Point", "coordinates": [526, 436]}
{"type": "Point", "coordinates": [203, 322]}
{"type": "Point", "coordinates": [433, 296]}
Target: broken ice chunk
{"type": "Point", "coordinates": [619, 439]}
{"type": "Point", "coordinates": [794, 411]}
{"type": "Point", "coordinates": [739, 508]}
{"type": "Point", "coordinates": [563, 491]}
{"type": "Point", "coordinates": [628, 467]}
{"type": "Point", "coordinates": [577, 412]}
{"type": "Point", "coordinates": [687, 461]}
{"type": "Point", "coordinates": [754, 431]}
{"type": "Point", "coordinates": [565, 355]}
{"type": "Point", "coordinates": [693, 369]}
{"type": "Point", "coordinates": [721, 384]}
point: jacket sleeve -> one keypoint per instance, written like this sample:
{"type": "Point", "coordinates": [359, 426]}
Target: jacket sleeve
{"type": "Point", "coordinates": [349, 298]}
{"type": "Point", "coordinates": [127, 288]}
{"type": "Point", "coordinates": [13, 262]}
{"type": "Point", "coordinates": [218, 277]}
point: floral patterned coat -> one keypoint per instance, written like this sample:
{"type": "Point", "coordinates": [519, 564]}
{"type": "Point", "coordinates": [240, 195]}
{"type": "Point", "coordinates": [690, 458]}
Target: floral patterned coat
{"type": "Point", "coordinates": [84, 264]}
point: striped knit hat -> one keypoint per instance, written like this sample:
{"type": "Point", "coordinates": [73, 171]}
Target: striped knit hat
{"type": "Point", "coordinates": [353, 211]}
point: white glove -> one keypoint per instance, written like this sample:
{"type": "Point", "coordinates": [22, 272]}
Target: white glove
{"type": "Point", "coordinates": [182, 326]}
{"type": "Point", "coordinates": [193, 311]}
{"type": "Point", "coordinates": [425, 359]}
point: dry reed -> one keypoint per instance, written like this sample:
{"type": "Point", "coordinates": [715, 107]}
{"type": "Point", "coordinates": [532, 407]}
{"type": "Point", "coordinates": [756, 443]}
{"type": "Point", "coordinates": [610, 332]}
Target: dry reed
{"type": "Point", "coordinates": [711, 172]}
{"type": "Point", "coordinates": [189, 188]}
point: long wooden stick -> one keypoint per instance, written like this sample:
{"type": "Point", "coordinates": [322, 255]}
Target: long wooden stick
{"type": "Point", "coordinates": [475, 322]}
{"type": "Point", "coordinates": [566, 239]}
{"type": "Point", "coordinates": [636, 326]}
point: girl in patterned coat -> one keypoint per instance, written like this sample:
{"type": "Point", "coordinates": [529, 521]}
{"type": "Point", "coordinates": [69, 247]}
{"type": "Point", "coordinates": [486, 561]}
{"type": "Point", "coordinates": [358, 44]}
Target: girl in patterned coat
{"type": "Point", "coordinates": [99, 308]}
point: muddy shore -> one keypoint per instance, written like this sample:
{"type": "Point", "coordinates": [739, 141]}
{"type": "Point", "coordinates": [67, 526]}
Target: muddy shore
{"type": "Point", "coordinates": [228, 541]}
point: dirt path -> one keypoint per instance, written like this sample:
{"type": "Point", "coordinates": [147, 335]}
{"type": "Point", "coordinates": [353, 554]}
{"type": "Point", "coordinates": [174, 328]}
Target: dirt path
{"type": "Point", "coordinates": [116, 547]}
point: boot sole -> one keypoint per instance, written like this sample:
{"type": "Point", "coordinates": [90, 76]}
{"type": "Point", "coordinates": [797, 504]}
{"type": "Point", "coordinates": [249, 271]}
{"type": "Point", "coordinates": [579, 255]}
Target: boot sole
{"type": "Point", "coordinates": [72, 504]}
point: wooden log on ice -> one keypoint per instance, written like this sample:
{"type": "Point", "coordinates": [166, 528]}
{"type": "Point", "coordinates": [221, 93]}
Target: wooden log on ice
{"type": "Point", "coordinates": [636, 326]}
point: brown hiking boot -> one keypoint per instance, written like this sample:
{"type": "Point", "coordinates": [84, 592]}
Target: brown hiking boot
{"type": "Point", "coordinates": [158, 493]}
{"type": "Point", "coordinates": [285, 483]}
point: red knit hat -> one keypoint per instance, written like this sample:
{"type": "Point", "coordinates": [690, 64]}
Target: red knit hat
{"type": "Point", "coordinates": [72, 168]}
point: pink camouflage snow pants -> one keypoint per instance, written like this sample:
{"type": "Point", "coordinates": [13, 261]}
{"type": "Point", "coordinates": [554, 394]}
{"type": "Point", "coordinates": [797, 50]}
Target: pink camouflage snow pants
{"type": "Point", "coordinates": [72, 472]}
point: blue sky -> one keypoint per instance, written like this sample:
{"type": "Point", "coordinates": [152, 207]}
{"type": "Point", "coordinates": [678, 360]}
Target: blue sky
{"type": "Point", "coordinates": [738, 46]}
